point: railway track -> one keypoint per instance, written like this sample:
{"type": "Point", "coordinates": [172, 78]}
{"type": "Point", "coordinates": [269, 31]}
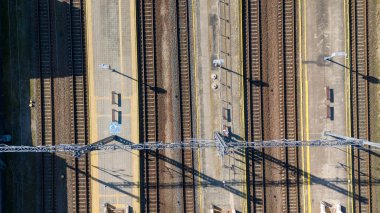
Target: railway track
{"type": "Point", "coordinates": [148, 104]}
{"type": "Point", "coordinates": [254, 101]}
{"type": "Point", "coordinates": [185, 103]}
{"type": "Point", "coordinates": [360, 104]}
{"type": "Point", "coordinates": [46, 61]}
{"type": "Point", "coordinates": [80, 177]}
{"type": "Point", "coordinates": [288, 104]}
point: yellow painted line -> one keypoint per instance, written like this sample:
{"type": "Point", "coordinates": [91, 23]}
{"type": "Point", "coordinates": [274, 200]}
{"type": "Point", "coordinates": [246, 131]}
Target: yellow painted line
{"type": "Point", "coordinates": [304, 106]}
{"type": "Point", "coordinates": [242, 123]}
{"type": "Point", "coordinates": [134, 105]}
{"type": "Point", "coordinates": [92, 107]}
{"type": "Point", "coordinates": [120, 37]}
{"type": "Point", "coordinates": [196, 100]}
{"type": "Point", "coordinates": [348, 177]}
{"type": "Point", "coordinates": [301, 64]}
{"type": "Point", "coordinates": [307, 111]}
{"type": "Point", "coordinates": [301, 101]}
{"type": "Point", "coordinates": [307, 138]}
{"type": "Point", "coordinates": [346, 105]}
{"type": "Point", "coordinates": [303, 179]}
{"type": "Point", "coordinates": [351, 185]}
{"type": "Point", "coordinates": [350, 201]}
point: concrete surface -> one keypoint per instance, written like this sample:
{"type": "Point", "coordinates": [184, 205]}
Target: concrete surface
{"type": "Point", "coordinates": [111, 39]}
{"type": "Point", "coordinates": [220, 181]}
{"type": "Point", "coordinates": [326, 170]}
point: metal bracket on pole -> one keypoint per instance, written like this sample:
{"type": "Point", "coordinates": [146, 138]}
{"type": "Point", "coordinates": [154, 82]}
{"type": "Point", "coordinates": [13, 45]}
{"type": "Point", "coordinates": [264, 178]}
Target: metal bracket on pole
{"type": "Point", "coordinates": [328, 133]}
{"type": "Point", "coordinates": [376, 145]}
{"type": "Point", "coordinates": [218, 62]}
{"type": "Point", "coordinates": [361, 142]}
{"type": "Point", "coordinates": [335, 54]}
{"type": "Point", "coordinates": [364, 142]}
{"type": "Point", "coordinates": [220, 144]}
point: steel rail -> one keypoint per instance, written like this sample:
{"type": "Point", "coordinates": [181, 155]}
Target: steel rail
{"type": "Point", "coordinates": [80, 178]}
{"type": "Point", "coordinates": [185, 102]}
{"type": "Point", "coordinates": [360, 104]}
{"type": "Point", "coordinates": [253, 93]}
{"type": "Point", "coordinates": [46, 105]}
{"type": "Point", "coordinates": [149, 103]}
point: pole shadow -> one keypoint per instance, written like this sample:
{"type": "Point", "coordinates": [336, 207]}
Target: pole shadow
{"type": "Point", "coordinates": [370, 79]}
{"type": "Point", "coordinates": [313, 178]}
{"type": "Point", "coordinates": [320, 61]}
{"type": "Point", "coordinates": [254, 82]}
{"type": "Point", "coordinates": [156, 89]}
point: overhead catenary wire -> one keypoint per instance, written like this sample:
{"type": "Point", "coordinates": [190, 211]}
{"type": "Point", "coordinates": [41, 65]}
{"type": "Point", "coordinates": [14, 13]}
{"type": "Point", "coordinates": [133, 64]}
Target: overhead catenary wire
{"type": "Point", "coordinates": [224, 146]}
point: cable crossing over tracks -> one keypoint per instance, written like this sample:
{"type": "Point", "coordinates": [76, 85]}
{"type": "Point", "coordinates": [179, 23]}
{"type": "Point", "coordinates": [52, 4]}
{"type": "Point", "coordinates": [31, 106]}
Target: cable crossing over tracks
{"type": "Point", "coordinates": [224, 147]}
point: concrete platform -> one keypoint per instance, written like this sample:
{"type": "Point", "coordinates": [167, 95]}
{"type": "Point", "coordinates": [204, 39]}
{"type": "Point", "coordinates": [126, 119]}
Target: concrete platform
{"type": "Point", "coordinates": [326, 171]}
{"type": "Point", "coordinates": [111, 39]}
{"type": "Point", "coordinates": [221, 181]}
